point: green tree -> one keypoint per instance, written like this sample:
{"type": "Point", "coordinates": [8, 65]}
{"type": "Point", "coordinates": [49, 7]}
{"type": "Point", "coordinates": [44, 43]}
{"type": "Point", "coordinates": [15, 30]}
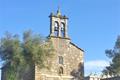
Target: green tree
{"type": "Point", "coordinates": [114, 55]}
{"type": "Point", "coordinates": [19, 54]}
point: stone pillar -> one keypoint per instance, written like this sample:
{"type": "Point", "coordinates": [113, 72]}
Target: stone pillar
{"type": "Point", "coordinates": [52, 26]}
{"type": "Point", "coordinates": [59, 32]}
{"type": "Point", "coordinates": [66, 28]}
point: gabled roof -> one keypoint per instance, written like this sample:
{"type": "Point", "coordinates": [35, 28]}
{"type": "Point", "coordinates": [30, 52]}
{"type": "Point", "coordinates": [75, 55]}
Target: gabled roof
{"type": "Point", "coordinates": [76, 46]}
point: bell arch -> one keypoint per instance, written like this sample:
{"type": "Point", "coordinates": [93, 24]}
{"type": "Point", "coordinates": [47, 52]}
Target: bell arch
{"type": "Point", "coordinates": [62, 29]}
{"type": "Point", "coordinates": [56, 28]}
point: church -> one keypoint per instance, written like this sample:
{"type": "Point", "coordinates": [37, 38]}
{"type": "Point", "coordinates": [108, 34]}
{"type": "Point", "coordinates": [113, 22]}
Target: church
{"type": "Point", "coordinates": [68, 61]}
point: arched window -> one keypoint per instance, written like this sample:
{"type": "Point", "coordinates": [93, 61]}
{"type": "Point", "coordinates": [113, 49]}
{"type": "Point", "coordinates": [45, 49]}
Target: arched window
{"type": "Point", "coordinates": [56, 28]}
{"type": "Point", "coordinates": [61, 70]}
{"type": "Point", "coordinates": [62, 30]}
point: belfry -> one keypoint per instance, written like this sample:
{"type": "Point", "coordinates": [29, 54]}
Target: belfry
{"type": "Point", "coordinates": [58, 25]}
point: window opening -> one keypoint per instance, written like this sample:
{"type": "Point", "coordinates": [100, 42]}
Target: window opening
{"type": "Point", "coordinates": [62, 30]}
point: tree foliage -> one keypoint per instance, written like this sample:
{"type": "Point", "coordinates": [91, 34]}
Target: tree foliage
{"type": "Point", "coordinates": [19, 53]}
{"type": "Point", "coordinates": [114, 55]}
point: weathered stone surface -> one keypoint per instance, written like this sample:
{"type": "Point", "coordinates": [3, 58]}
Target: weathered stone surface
{"type": "Point", "coordinates": [72, 62]}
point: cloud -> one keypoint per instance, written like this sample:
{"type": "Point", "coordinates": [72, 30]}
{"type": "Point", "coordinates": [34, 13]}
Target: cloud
{"type": "Point", "coordinates": [95, 66]}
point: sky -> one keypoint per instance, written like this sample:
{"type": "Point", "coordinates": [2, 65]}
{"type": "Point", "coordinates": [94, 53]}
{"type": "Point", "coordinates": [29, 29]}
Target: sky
{"type": "Point", "coordinates": [93, 24]}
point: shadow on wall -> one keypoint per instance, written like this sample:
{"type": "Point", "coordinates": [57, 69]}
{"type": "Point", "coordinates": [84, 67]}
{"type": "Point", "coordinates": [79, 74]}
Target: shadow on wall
{"type": "Point", "coordinates": [78, 74]}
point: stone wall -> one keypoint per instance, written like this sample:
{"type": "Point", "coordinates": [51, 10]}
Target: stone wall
{"type": "Point", "coordinates": [72, 62]}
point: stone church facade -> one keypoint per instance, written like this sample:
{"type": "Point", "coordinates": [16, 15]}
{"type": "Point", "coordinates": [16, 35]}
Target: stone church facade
{"type": "Point", "coordinates": [67, 63]}
{"type": "Point", "coordinates": [68, 60]}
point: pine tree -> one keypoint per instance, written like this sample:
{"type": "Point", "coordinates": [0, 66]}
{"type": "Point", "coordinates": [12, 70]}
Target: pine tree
{"type": "Point", "coordinates": [114, 55]}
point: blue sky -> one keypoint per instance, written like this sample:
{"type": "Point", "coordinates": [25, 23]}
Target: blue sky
{"type": "Point", "coordinates": [93, 24]}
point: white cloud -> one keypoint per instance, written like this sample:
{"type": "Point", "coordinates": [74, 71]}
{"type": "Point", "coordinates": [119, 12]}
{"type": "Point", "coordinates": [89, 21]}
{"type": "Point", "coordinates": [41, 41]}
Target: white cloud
{"type": "Point", "coordinates": [95, 66]}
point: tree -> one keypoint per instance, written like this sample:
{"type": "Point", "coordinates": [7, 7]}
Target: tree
{"type": "Point", "coordinates": [114, 55]}
{"type": "Point", "coordinates": [19, 54]}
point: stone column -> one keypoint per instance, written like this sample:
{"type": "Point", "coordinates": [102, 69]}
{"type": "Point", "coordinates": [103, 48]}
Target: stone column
{"type": "Point", "coordinates": [66, 28]}
{"type": "Point", "coordinates": [59, 32]}
{"type": "Point", "coordinates": [51, 26]}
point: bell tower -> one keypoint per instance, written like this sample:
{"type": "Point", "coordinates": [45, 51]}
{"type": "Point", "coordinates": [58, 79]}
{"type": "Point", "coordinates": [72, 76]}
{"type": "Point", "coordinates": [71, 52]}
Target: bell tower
{"type": "Point", "coordinates": [58, 25]}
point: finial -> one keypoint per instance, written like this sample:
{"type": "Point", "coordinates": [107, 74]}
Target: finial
{"type": "Point", "coordinates": [58, 11]}
{"type": "Point", "coordinates": [52, 13]}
